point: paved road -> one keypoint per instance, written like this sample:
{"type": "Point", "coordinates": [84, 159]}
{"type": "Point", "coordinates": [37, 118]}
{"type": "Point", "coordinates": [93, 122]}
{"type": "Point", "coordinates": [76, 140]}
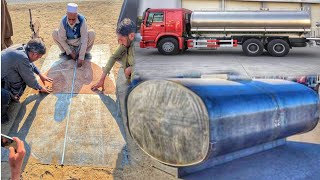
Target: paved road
{"type": "Point", "coordinates": [293, 161]}
{"type": "Point", "coordinates": [300, 61]}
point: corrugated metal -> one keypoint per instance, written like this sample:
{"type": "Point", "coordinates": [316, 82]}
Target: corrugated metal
{"type": "Point", "coordinates": [201, 4]}
{"type": "Point", "coordinates": [144, 4]}
{"type": "Point", "coordinates": [236, 5]}
{"type": "Point", "coordinates": [315, 17]}
{"type": "Point", "coordinates": [290, 1]}
{"type": "Point", "coordinates": [315, 14]}
{"type": "Point", "coordinates": [283, 6]}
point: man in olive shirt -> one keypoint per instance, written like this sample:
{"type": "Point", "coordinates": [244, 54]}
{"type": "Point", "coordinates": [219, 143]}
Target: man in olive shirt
{"type": "Point", "coordinates": [125, 53]}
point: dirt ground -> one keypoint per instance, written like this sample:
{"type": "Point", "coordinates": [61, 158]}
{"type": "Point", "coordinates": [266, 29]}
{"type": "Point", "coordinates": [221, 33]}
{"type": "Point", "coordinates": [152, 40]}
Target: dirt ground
{"type": "Point", "coordinates": [102, 17]}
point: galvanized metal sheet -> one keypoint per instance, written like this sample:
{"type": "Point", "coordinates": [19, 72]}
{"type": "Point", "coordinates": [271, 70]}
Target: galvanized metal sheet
{"type": "Point", "coordinates": [241, 114]}
{"type": "Point", "coordinates": [94, 135]}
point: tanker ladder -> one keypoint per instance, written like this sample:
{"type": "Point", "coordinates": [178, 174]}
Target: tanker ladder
{"type": "Point", "coordinates": [211, 43]}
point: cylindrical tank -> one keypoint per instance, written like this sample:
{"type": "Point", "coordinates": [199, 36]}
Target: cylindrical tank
{"type": "Point", "coordinates": [183, 122]}
{"type": "Point", "coordinates": [251, 19]}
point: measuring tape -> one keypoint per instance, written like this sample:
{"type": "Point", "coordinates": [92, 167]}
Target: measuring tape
{"type": "Point", "coordinates": [68, 117]}
{"type": "Point", "coordinates": [70, 103]}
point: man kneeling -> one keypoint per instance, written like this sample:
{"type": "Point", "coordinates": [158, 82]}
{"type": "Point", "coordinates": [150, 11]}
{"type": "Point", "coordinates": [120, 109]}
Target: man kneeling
{"type": "Point", "coordinates": [73, 37]}
{"type": "Point", "coordinates": [17, 72]}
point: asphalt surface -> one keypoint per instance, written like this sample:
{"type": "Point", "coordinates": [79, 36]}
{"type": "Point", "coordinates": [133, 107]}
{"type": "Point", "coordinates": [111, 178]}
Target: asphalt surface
{"type": "Point", "coordinates": [293, 161]}
{"type": "Point", "coordinates": [299, 61]}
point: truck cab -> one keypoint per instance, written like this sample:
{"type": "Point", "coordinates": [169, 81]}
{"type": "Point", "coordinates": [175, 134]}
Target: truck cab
{"type": "Point", "coordinates": [164, 29]}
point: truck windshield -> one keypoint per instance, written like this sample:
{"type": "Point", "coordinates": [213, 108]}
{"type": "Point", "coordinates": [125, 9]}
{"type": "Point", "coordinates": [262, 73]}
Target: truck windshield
{"type": "Point", "coordinates": [155, 17]}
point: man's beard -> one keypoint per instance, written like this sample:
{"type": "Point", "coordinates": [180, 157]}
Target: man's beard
{"type": "Point", "coordinates": [129, 42]}
{"type": "Point", "coordinates": [72, 26]}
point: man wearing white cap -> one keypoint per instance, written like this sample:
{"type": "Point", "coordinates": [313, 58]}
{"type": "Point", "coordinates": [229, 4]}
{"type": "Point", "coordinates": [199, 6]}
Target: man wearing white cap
{"type": "Point", "coordinates": [73, 36]}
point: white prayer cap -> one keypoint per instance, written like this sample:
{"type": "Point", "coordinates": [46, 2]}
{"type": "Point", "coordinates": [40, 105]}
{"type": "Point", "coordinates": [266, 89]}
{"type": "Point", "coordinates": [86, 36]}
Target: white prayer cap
{"type": "Point", "coordinates": [72, 8]}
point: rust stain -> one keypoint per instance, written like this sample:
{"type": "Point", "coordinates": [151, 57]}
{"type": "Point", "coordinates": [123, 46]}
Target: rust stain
{"type": "Point", "coordinates": [87, 75]}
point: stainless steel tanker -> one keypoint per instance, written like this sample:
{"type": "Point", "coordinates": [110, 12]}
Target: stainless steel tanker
{"type": "Point", "coordinates": [298, 21]}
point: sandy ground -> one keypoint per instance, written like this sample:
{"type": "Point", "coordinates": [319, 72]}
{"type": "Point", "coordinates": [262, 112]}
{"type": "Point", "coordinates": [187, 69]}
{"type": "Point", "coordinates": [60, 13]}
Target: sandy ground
{"type": "Point", "coordinates": [102, 17]}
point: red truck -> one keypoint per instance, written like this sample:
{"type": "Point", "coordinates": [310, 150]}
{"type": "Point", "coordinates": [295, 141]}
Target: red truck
{"type": "Point", "coordinates": [175, 30]}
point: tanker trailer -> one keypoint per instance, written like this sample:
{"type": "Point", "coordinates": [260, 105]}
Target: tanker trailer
{"type": "Point", "coordinates": [185, 122]}
{"type": "Point", "coordinates": [175, 30]}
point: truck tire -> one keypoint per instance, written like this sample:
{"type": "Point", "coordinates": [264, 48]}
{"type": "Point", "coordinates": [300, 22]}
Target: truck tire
{"type": "Point", "coordinates": [168, 46]}
{"type": "Point", "coordinates": [278, 47]}
{"type": "Point", "coordinates": [252, 47]}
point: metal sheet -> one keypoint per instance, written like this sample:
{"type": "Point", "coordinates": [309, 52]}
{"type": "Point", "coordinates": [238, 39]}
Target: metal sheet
{"type": "Point", "coordinates": [200, 5]}
{"type": "Point", "coordinates": [95, 136]}
{"type": "Point", "coordinates": [41, 117]}
{"type": "Point", "coordinates": [254, 19]}
{"type": "Point", "coordinates": [95, 133]}
{"type": "Point", "coordinates": [241, 114]}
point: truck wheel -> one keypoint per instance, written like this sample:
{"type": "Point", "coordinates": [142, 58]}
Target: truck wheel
{"type": "Point", "coordinates": [278, 48]}
{"type": "Point", "coordinates": [252, 47]}
{"type": "Point", "coordinates": [168, 46]}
